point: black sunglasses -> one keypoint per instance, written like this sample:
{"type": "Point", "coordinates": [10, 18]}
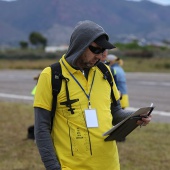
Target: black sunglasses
{"type": "Point", "coordinates": [96, 50]}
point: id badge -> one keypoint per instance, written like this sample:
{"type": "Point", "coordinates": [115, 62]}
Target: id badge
{"type": "Point", "coordinates": [91, 118]}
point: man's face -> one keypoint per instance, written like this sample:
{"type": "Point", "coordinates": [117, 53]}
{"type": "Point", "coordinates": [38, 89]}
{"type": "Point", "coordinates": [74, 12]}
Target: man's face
{"type": "Point", "coordinates": [104, 55]}
{"type": "Point", "coordinates": [88, 59]}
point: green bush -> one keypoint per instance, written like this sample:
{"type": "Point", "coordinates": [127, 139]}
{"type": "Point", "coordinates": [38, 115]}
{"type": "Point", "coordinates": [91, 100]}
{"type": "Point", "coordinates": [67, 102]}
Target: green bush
{"type": "Point", "coordinates": [29, 54]}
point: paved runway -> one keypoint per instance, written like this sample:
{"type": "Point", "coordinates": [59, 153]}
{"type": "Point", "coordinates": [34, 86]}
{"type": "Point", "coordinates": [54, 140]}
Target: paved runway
{"type": "Point", "coordinates": [143, 89]}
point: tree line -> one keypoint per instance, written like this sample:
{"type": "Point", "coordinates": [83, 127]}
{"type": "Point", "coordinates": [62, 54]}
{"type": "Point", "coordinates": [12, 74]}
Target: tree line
{"type": "Point", "coordinates": [36, 39]}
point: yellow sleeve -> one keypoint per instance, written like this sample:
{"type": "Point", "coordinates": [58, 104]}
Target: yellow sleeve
{"type": "Point", "coordinates": [43, 94]}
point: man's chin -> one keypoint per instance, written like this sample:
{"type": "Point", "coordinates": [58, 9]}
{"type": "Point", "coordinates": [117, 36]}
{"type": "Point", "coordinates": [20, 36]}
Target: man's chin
{"type": "Point", "coordinates": [92, 64]}
{"type": "Point", "coordinates": [89, 65]}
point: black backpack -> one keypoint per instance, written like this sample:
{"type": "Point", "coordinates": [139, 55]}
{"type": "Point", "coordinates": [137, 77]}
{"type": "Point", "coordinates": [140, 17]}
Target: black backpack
{"type": "Point", "coordinates": [30, 132]}
{"type": "Point", "coordinates": [57, 79]}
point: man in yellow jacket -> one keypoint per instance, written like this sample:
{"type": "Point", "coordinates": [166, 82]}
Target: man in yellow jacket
{"type": "Point", "coordinates": [76, 141]}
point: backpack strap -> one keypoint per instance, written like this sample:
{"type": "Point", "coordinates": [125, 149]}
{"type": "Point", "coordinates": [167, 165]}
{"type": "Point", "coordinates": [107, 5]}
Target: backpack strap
{"type": "Point", "coordinates": [56, 80]}
{"type": "Point", "coordinates": [114, 75]}
{"type": "Point", "coordinates": [107, 76]}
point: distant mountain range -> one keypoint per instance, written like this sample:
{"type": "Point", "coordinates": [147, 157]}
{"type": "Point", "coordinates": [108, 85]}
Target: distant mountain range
{"type": "Point", "coordinates": [55, 19]}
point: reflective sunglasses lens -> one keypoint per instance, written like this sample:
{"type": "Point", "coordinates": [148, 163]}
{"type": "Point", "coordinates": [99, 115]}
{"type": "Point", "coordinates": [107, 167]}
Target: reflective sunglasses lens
{"type": "Point", "coordinates": [96, 50]}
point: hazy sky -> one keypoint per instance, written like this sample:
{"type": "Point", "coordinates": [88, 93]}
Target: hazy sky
{"type": "Point", "coordinates": [7, 0]}
{"type": "Point", "coordinates": [162, 2]}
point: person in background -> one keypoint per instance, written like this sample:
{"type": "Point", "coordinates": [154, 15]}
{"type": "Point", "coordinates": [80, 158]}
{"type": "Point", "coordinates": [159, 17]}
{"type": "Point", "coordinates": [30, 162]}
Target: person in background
{"type": "Point", "coordinates": [104, 57]}
{"type": "Point", "coordinates": [34, 89]}
{"type": "Point", "coordinates": [116, 64]}
{"type": "Point", "coordinates": [107, 62]}
{"type": "Point", "coordinates": [119, 75]}
{"type": "Point", "coordinates": [76, 142]}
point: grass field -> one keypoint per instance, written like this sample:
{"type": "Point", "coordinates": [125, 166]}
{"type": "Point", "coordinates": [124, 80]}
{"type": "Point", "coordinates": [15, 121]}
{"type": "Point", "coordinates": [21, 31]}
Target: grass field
{"type": "Point", "coordinates": [147, 148]}
{"type": "Point", "coordinates": [130, 64]}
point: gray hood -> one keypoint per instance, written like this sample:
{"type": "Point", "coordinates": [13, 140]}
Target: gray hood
{"type": "Point", "coordinates": [83, 35]}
